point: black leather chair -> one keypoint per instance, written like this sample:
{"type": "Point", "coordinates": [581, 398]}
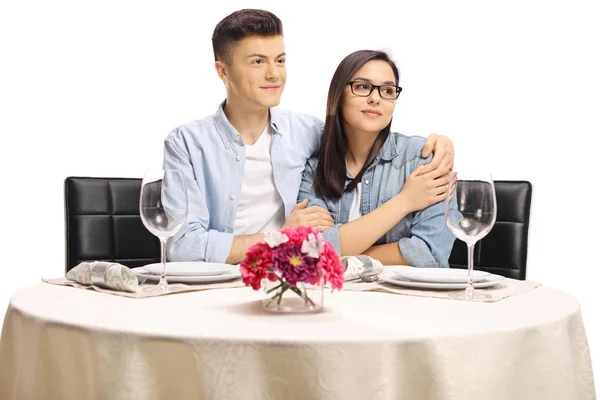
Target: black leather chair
{"type": "Point", "coordinates": [504, 250]}
{"type": "Point", "coordinates": [102, 220]}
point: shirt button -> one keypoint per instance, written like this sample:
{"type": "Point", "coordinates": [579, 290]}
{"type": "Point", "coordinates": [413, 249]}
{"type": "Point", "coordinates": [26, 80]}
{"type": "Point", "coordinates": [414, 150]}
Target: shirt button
{"type": "Point", "coordinates": [238, 158]}
{"type": "Point", "coordinates": [366, 182]}
{"type": "Point", "coordinates": [232, 197]}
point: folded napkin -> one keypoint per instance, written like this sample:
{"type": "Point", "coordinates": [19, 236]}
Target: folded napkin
{"type": "Point", "coordinates": [360, 267]}
{"type": "Point", "coordinates": [105, 275]}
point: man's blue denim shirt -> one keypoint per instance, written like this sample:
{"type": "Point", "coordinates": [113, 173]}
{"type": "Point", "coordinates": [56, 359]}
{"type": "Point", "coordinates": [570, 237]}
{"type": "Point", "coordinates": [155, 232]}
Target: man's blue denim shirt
{"type": "Point", "coordinates": [423, 237]}
{"type": "Point", "coordinates": [211, 155]}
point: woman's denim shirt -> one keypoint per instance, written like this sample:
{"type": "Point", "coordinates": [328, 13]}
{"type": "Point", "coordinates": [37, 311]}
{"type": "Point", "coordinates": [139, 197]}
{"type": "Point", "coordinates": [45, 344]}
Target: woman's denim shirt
{"type": "Point", "coordinates": [423, 237]}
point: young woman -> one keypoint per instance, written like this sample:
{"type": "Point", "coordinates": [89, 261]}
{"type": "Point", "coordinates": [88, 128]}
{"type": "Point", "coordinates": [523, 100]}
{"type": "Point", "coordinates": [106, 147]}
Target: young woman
{"type": "Point", "coordinates": [370, 179]}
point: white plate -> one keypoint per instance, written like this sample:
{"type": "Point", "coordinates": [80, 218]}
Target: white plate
{"type": "Point", "coordinates": [389, 277]}
{"type": "Point", "coordinates": [190, 268]}
{"type": "Point", "coordinates": [140, 271]}
{"type": "Point", "coordinates": [438, 275]}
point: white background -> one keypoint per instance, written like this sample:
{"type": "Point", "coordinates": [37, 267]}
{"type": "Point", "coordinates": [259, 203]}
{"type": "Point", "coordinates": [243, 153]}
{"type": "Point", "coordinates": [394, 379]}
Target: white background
{"type": "Point", "coordinates": [93, 88]}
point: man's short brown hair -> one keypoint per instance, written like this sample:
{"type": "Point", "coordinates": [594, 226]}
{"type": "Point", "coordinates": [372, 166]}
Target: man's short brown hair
{"type": "Point", "coordinates": [240, 24]}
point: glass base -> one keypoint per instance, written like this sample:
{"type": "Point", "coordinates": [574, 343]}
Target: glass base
{"type": "Point", "coordinates": [160, 287]}
{"type": "Point", "coordinates": [469, 295]}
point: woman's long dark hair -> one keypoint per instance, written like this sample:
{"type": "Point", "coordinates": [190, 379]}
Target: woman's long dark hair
{"type": "Point", "coordinates": [330, 176]}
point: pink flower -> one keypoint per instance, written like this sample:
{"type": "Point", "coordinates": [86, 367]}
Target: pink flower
{"type": "Point", "coordinates": [331, 267]}
{"type": "Point", "coordinates": [256, 264]}
{"type": "Point", "coordinates": [299, 234]}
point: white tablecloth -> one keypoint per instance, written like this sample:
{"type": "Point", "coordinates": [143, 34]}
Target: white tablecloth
{"type": "Point", "coordinates": [67, 343]}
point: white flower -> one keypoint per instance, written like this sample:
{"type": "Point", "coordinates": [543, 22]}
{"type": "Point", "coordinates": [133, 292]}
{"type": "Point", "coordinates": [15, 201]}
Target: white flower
{"type": "Point", "coordinates": [313, 246]}
{"type": "Point", "coordinates": [274, 239]}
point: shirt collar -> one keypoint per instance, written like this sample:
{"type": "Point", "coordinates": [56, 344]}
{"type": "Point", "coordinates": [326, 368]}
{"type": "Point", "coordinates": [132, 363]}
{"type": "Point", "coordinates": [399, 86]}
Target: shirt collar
{"type": "Point", "coordinates": [229, 134]}
{"type": "Point", "coordinates": [389, 149]}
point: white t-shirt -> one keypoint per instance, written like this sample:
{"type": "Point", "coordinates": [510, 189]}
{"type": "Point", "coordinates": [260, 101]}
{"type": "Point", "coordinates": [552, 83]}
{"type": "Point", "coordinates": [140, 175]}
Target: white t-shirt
{"type": "Point", "coordinates": [260, 207]}
{"type": "Point", "coordinates": [355, 207]}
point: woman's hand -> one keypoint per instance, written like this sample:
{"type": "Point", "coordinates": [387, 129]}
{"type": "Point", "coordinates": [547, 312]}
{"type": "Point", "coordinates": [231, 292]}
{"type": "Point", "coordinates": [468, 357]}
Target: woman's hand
{"type": "Point", "coordinates": [423, 189]}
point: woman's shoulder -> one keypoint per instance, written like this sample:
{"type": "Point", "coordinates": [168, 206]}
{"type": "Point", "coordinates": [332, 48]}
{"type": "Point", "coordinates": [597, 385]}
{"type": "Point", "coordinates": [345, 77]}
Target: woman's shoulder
{"type": "Point", "coordinates": [405, 146]}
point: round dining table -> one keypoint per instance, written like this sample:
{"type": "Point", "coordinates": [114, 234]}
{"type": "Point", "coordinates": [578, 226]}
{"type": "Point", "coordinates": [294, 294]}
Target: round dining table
{"type": "Point", "coordinates": [60, 342]}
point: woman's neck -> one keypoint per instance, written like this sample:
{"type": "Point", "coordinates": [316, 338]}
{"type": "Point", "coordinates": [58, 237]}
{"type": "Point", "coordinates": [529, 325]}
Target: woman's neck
{"type": "Point", "coordinates": [359, 146]}
{"type": "Point", "coordinates": [248, 119]}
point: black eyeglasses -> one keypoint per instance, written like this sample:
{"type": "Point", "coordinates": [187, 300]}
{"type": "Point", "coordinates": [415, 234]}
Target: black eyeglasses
{"type": "Point", "coordinates": [364, 89]}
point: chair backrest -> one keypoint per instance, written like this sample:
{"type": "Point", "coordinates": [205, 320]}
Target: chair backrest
{"type": "Point", "coordinates": [504, 250]}
{"type": "Point", "coordinates": [102, 221]}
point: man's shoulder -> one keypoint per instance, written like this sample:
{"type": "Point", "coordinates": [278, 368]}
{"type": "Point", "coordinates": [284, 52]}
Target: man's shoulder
{"type": "Point", "coordinates": [196, 128]}
{"type": "Point", "coordinates": [295, 119]}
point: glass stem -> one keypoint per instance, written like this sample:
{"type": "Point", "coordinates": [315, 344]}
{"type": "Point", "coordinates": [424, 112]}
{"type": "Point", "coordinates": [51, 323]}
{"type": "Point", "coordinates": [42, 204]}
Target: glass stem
{"type": "Point", "coordinates": [471, 255]}
{"type": "Point", "coordinates": [163, 273]}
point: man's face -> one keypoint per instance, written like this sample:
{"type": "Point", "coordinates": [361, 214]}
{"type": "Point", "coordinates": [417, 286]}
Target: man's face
{"type": "Point", "coordinates": [256, 71]}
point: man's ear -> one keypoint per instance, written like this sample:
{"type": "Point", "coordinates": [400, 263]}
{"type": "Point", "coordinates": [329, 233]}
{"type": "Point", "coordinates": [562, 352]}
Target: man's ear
{"type": "Point", "coordinates": [221, 69]}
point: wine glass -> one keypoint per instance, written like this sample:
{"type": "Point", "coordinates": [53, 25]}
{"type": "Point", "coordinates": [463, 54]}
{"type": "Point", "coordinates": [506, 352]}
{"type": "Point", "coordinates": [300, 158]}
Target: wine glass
{"type": "Point", "coordinates": [471, 216]}
{"type": "Point", "coordinates": [163, 209]}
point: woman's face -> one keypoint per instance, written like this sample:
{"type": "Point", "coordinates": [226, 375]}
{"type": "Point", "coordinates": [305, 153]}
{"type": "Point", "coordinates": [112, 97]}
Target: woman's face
{"type": "Point", "coordinates": [373, 112]}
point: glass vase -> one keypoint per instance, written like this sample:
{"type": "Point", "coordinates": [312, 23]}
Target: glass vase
{"type": "Point", "coordinates": [279, 296]}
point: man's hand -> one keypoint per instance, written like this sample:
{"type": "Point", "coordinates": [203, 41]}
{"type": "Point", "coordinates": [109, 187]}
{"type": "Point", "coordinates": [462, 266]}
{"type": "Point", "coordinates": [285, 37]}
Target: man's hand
{"type": "Point", "coordinates": [443, 152]}
{"type": "Point", "coordinates": [313, 217]}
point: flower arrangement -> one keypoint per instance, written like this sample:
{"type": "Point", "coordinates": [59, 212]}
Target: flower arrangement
{"type": "Point", "coordinates": [288, 261]}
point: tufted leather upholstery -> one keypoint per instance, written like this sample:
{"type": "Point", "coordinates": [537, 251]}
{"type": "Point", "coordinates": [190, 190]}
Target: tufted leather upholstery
{"type": "Point", "coordinates": [103, 222]}
{"type": "Point", "coordinates": [504, 250]}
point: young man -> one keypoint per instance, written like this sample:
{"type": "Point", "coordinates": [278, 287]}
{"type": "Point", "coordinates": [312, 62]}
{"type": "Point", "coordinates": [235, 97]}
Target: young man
{"type": "Point", "coordinates": [243, 165]}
